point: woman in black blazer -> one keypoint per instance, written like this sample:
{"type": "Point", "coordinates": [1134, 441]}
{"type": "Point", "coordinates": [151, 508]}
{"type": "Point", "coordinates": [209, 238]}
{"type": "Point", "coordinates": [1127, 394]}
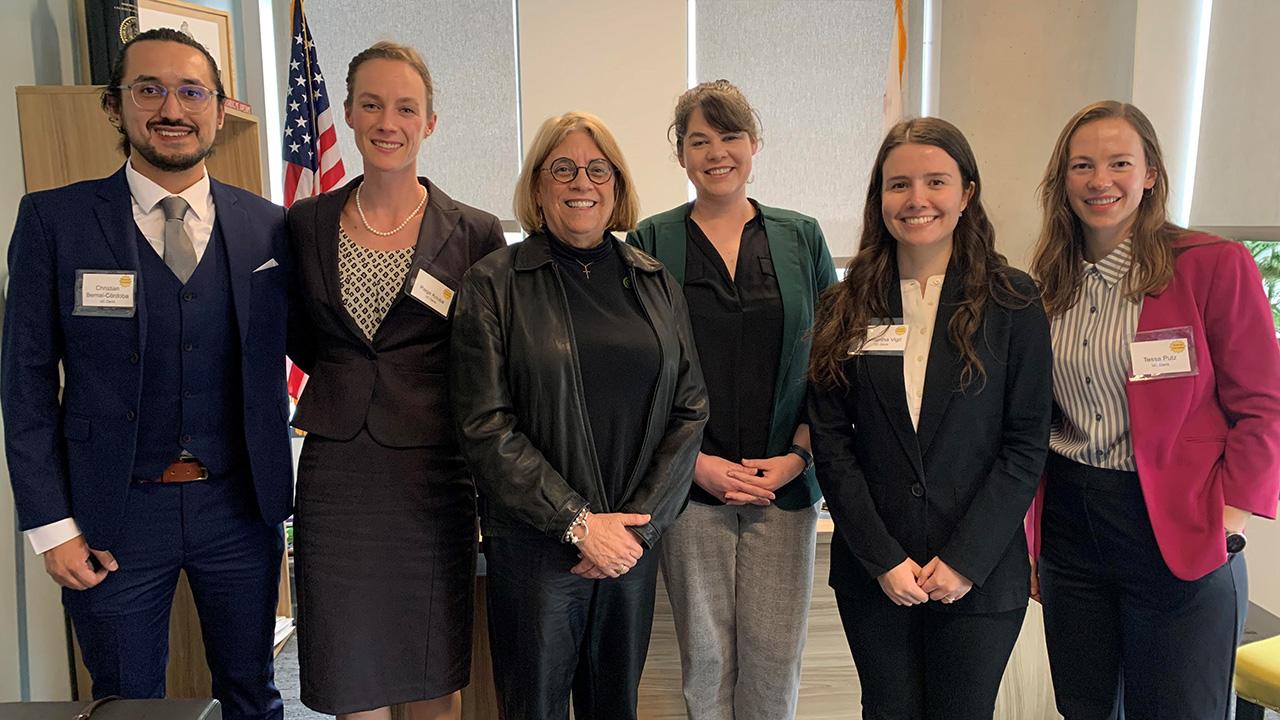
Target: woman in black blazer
{"type": "Point", "coordinates": [386, 523]}
{"type": "Point", "coordinates": [929, 406]}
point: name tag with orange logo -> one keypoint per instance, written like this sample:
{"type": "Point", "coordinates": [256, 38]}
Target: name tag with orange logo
{"type": "Point", "coordinates": [432, 292]}
{"type": "Point", "coordinates": [1162, 354]}
{"type": "Point", "coordinates": [883, 340]}
{"type": "Point", "coordinates": [105, 293]}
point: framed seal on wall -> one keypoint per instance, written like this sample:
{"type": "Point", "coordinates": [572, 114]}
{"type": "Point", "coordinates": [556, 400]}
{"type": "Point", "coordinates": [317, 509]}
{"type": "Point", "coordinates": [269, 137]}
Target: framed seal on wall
{"type": "Point", "coordinates": [108, 24]}
{"type": "Point", "coordinates": [210, 27]}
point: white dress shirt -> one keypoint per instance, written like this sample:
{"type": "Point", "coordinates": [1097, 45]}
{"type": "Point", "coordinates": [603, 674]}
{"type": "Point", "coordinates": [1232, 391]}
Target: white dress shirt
{"type": "Point", "coordinates": [149, 217]}
{"type": "Point", "coordinates": [919, 313]}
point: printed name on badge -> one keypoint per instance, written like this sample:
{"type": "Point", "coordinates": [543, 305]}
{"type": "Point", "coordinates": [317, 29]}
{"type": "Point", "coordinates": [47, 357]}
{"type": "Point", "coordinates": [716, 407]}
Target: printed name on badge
{"type": "Point", "coordinates": [1159, 358]}
{"type": "Point", "coordinates": [431, 292]}
{"type": "Point", "coordinates": [885, 339]}
{"type": "Point", "coordinates": [105, 293]}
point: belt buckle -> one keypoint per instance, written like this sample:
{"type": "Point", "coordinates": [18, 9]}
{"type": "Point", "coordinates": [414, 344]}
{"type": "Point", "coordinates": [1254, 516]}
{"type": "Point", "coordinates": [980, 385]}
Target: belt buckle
{"type": "Point", "coordinates": [166, 479]}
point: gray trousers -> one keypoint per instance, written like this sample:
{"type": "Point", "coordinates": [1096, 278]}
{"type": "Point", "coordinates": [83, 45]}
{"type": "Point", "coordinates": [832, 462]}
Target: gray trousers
{"type": "Point", "coordinates": [740, 578]}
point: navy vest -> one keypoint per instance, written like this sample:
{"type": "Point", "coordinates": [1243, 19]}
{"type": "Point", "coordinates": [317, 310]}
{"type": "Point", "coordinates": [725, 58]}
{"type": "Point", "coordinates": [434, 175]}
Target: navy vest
{"type": "Point", "coordinates": [191, 384]}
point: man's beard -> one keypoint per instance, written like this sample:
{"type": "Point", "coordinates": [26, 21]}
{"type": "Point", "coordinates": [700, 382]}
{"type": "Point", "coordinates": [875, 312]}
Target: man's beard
{"type": "Point", "coordinates": [171, 163]}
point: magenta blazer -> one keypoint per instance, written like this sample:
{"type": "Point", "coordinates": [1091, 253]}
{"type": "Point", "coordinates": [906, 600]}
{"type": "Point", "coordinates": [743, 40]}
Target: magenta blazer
{"type": "Point", "coordinates": [1212, 439]}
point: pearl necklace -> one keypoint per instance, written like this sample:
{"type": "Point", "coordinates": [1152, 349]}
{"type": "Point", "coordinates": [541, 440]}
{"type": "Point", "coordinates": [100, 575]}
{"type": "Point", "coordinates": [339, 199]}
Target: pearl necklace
{"type": "Point", "coordinates": [398, 228]}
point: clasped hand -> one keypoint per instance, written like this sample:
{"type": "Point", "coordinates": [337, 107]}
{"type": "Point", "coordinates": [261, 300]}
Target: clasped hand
{"type": "Point", "coordinates": [749, 482]}
{"type": "Point", "coordinates": [909, 584]}
{"type": "Point", "coordinates": [609, 549]}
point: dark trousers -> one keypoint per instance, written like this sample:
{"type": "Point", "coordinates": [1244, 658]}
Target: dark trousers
{"type": "Point", "coordinates": [915, 663]}
{"type": "Point", "coordinates": [553, 633]}
{"type": "Point", "coordinates": [211, 529]}
{"type": "Point", "coordinates": [1126, 637]}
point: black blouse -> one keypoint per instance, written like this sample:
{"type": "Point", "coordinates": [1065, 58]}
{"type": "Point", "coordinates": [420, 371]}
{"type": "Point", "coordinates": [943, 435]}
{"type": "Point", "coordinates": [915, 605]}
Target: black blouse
{"type": "Point", "coordinates": [737, 328]}
{"type": "Point", "coordinates": [617, 353]}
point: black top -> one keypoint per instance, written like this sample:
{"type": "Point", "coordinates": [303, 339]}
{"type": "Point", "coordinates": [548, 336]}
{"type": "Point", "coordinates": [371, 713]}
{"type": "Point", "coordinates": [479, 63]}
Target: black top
{"type": "Point", "coordinates": [617, 354]}
{"type": "Point", "coordinates": [737, 328]}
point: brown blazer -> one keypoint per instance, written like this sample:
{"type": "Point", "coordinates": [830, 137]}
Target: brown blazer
{"type": "Point", "coordinates": [394, 385]}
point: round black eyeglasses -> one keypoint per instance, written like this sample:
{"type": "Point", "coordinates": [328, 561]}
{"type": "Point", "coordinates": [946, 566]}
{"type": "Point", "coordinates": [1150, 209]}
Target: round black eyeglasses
{"type": "Point", "coordinates": [564, 170]}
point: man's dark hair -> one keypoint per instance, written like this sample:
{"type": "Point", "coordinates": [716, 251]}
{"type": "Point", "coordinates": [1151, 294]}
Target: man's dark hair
{"type": "Point", "coordinates": [112, 94]}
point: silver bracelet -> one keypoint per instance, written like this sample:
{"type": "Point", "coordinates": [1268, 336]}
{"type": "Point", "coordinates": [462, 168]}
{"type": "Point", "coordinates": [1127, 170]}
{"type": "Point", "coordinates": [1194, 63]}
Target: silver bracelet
{"type": "Point", "coordinates": [579, 520]}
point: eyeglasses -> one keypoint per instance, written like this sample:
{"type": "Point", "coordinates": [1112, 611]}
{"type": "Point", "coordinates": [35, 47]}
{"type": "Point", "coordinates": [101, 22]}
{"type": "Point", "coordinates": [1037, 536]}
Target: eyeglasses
{"type": "Point", "coordinates": [564, 170]}
{"type": "Point", "coordinates": [151, 95]}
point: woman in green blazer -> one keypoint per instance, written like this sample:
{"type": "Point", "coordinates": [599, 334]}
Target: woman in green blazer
{"type": "Point", "coordinates": [738, 563]}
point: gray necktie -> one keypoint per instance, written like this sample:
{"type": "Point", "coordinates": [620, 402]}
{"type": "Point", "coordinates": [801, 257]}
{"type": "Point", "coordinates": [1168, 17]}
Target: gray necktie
{"type": "Point", "coordinates": [179, 253]}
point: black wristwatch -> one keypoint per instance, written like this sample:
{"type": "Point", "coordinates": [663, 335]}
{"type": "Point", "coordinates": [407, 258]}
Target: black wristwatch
{"type": "Point", "coordinates": [805, 455]}
{"type": "Point", "coordinates": [1235, 541]}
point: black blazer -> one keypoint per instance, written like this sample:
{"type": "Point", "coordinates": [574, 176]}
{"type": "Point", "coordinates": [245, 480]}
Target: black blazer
{"type": "Point", "coordinates": [395, 385]}
{"type": "Point", "coordinates": [959, 487]}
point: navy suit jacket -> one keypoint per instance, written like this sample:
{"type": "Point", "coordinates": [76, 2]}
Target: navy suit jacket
{"type": "Point", "coordinates": [72, 455]}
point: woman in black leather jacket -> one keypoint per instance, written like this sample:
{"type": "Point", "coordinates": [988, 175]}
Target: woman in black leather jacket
{"type": "Point", "coordinates": [580, 408]}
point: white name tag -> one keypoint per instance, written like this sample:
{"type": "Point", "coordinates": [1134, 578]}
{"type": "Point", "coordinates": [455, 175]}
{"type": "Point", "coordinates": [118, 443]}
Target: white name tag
{"type": "Point", "coordinates": [105, 293]}
{"type": "Point", "coordinates": [885, 339]}
{"type": "Point", "coordinates": [1160, 358]}
{"type": "Point", "coordinates": [432, 292]}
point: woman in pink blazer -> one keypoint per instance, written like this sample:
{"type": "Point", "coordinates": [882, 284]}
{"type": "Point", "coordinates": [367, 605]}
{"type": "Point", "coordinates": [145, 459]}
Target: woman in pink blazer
{"type": "Point", "coordinates": [1165, 438]}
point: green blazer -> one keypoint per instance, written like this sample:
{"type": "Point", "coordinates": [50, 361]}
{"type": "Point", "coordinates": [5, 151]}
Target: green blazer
{"type": "Point", "coordinates": [804, 269]}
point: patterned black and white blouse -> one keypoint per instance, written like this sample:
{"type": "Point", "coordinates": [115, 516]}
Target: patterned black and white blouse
{"type": "Point", "coordinates": [370, 280]}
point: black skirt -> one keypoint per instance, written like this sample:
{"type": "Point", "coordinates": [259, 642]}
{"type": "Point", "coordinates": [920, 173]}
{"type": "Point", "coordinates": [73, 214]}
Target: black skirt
{"type": "Point", "coordinates": [384, 543]}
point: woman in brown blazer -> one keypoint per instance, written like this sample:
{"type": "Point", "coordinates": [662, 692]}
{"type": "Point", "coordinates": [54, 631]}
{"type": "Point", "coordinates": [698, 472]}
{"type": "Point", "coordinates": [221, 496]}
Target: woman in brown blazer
{"type": "Point", "coordinates": [385, 530]}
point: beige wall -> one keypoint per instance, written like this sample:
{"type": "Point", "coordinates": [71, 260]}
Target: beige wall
{"type": "Point", "coordinates": [1164, 65]}
{"type": "Point", "coordinates": [1238, 171]}
{"type": "Point", "coordinates": [1011, 74]}
{"type": "Point", "coordinates": [1261, 554]}
{"type": "Point", "coordinates": [627, 63]}
{"type": "Point", "coordinates": [40, 48]}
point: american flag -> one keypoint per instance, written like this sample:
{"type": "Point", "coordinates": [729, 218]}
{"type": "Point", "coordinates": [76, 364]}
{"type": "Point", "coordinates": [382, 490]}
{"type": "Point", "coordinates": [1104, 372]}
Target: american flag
{"type": "Point", "coordinates": [312, 160]}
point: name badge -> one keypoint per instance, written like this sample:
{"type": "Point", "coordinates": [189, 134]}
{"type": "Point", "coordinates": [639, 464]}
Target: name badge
{"type": "Point", "coordinates": [105, 293]}
{"type": "Point", "coordinates": [1162, 354]}
{"type": "Point", "coordinates": [431, 292]}
{"type": "Point", "coordinates": [883, 340]}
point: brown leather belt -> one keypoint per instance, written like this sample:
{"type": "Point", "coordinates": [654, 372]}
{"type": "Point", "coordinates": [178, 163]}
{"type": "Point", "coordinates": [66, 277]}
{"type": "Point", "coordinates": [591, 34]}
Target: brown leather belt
{"type": "Point", "coordinates": [185, 470]}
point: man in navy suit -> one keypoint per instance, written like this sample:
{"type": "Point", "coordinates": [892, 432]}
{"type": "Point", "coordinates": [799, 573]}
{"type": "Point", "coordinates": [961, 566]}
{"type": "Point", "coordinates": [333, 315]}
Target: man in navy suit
{"type": "Point", "coordinates": [160, 293]}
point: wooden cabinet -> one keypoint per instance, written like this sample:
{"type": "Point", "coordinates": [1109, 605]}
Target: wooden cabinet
{"type": "Point", "coordinates": [66, 137]}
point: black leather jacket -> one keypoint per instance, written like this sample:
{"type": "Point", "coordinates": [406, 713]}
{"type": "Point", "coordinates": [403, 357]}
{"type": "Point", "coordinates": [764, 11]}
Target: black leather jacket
{"type": "Point", "coordinates": [515, 385]}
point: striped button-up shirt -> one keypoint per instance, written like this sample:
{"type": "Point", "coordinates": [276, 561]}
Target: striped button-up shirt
{"type": "Point", "coordinates": [1091, 365]}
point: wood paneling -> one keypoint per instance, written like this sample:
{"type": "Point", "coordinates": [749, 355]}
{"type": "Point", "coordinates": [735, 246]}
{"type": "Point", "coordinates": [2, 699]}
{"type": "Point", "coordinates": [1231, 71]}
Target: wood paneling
{"type": "Point", "coordinates": [66, 137]}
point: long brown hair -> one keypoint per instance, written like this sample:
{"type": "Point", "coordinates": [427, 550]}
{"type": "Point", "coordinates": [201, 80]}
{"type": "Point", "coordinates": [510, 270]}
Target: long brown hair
{"type": "Point", "coordinates": [1060, 250]}
{"type": "Point", "coordinates": [845, 310]}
